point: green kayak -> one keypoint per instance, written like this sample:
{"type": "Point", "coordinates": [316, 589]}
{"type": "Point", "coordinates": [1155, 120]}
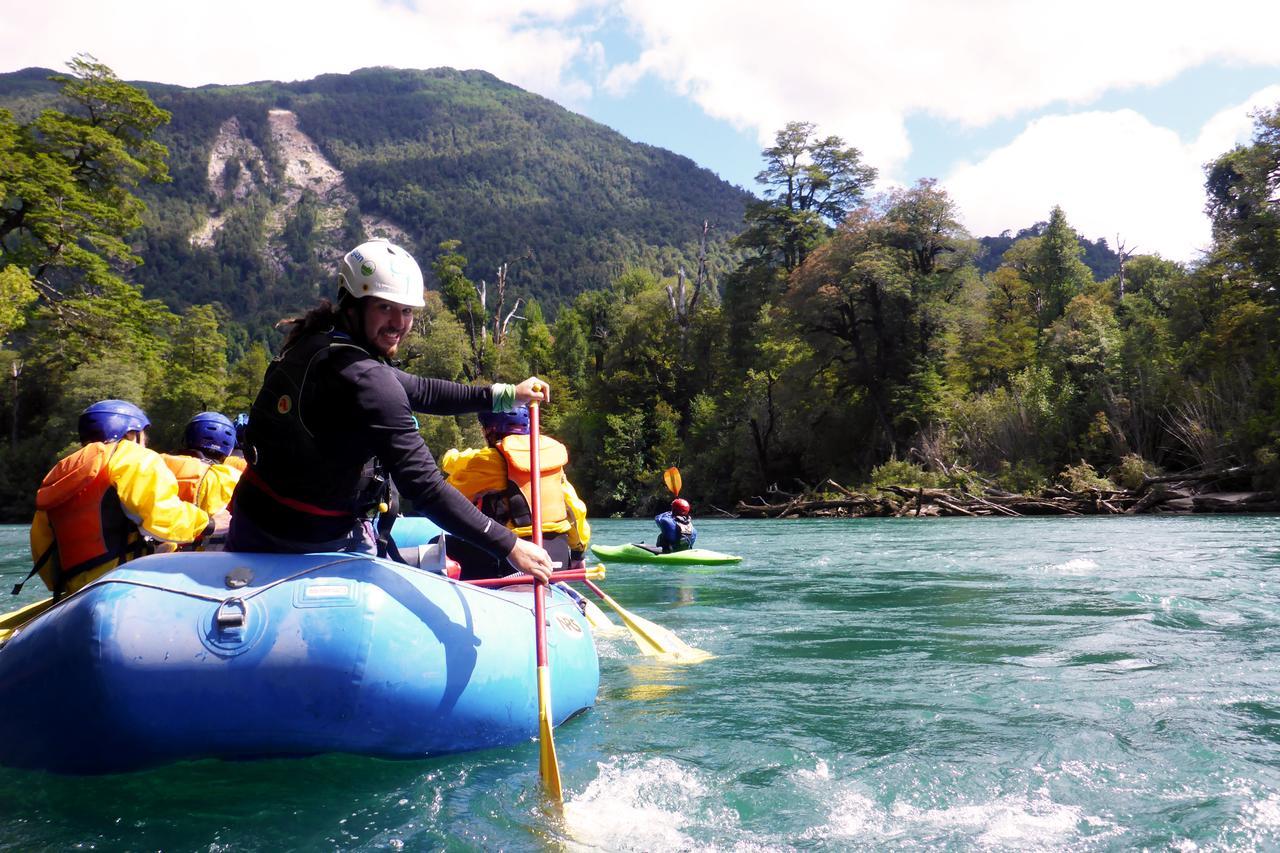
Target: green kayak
{"type": "Point", "coordinates": [637, 554]}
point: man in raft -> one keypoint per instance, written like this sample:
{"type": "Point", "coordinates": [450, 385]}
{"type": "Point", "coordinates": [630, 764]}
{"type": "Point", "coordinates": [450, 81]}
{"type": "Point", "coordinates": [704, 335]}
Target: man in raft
{"type": "Point", "coordinates": [109, 502]}
{"type": "Point", "coordinates": [497, 480]}
{"type": "Point", "coordinates": [335, 419]}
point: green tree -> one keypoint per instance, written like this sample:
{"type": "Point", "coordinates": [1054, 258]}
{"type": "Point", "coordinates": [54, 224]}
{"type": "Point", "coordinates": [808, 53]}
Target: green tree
{"type": "Point", "coordinates": [463, 300]}
{"type": "Point", "coordinates": [245, 379]}
{"type": "Point", "coordinates": [67, 181]}
{"type": "Point", "coordinates": [16, 294]}
{"type": "Point", "coordinates": [1243, 186]}
{"type": "Point", "coordinates": [195, 374]}
{"type": "Point", "coordinates": [1055, 272]}
{"type": "Point", "coordinates": [535, 340]}
{"type": "Point", "coordinates": [569, 347]}
{"type": "Point", "coordinates": [810, 185]}
{"type": "Point", "coordinates": [438, 346]}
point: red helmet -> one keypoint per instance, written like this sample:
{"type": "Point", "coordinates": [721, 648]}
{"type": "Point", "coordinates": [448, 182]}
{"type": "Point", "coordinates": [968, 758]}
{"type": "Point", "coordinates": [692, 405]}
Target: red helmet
{"type": "Point", "coordinates": [680, 506]}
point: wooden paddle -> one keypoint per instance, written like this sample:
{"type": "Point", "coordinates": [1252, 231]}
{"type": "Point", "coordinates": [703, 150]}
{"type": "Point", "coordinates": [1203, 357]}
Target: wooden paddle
{"type": "Point", "coordinates": [671, 477]}
{"type": "Point", "coordinates": [548, 766]}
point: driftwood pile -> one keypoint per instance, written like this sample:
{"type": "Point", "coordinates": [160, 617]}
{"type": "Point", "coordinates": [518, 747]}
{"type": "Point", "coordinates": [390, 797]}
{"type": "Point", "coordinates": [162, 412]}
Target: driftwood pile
{"type": "Point", "coordinates": [1174, 494]}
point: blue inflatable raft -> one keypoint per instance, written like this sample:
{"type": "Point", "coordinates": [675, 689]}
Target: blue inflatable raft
{"type": "Point", "coordinates": [239, 656]}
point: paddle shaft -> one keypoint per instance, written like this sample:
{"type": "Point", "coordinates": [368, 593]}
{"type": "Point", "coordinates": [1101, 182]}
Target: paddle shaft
{"type": "Point", "coordinates": [548, 765]}
{"type": "Point", "coordinates": [535, 511]}
{"type": "Point", "coordinates": [556, 577]}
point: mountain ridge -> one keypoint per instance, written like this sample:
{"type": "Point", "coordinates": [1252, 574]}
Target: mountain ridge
{"type": "Point", "coordinates": [424, 157]}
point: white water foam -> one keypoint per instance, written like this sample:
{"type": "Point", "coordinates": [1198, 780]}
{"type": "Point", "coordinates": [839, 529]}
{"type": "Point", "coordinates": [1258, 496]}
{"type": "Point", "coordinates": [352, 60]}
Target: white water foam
{"type": "Point", "coordinates": [1077, 566]}
{"type": "Point", "coordinates": [1008, 822]}
{"type": "Point", "coordinates": [643, 806]}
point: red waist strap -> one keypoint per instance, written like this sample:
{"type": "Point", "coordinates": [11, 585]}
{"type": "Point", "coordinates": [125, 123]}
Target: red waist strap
{"type": "Point", "coordinates": [258, 483]}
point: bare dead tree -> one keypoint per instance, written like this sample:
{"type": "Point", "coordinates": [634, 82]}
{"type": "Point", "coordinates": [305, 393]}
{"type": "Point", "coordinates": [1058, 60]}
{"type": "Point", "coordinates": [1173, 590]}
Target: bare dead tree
{"type": "Point", "coordinates": [501, 333]}
{"type": "Point", "coordinates": [1124, 256]}
{"type": "Point", "coordinates": [678, 298]}
{"type": "Point", "coordinates": [500, 326]}
{"type": "Point", "coordinates": [482, 290]}
{"type": "Point", "coordinates": [16, 370]}
{"type": "Point", "coordinates": [703, 279]}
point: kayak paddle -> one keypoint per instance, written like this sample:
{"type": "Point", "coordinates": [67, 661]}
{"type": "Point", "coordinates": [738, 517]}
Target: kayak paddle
{"type": "Point", "coordinates": [548, 766]}
{"type": "Point", "coordinates": [671, 477]}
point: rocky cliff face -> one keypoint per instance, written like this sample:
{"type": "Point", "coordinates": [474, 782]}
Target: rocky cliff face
{"type": "Point", "coordinates": [240, 172]}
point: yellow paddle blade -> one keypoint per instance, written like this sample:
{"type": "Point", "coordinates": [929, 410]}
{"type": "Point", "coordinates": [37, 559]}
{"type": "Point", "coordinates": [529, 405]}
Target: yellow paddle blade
{"type": "Point", "coordinates": [600, 623]}
{"type": "Point", "coordinates": [14, 620]}
{"type": "Point", "coordinates": [548, 766]}
{"type": "Point", "coordinates": [654, 640]}
{"type": "Point", "coordinates": [671, 477]}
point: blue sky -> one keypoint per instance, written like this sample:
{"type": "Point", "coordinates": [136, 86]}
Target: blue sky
{"type": "Point", "coordinates": [1107, 109]}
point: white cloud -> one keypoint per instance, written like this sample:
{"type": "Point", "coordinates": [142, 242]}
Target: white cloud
{"type": "Point", "coordinates": [1113, 173]}
{"type": "Point", "coordinates": [1233, 125]}
{"type": "Point", "coordinates": [859, 67]}
{"type": "Point", "coordinates": [524, 42]}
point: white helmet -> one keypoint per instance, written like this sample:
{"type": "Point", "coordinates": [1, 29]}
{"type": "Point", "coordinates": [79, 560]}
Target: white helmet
{"type": "Point", "coordinates": [382, 269]}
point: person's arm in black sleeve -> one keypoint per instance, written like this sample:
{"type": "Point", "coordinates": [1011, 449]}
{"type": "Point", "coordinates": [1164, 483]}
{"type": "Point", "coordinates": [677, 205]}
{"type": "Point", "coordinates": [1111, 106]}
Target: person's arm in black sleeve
{"type": "Point", "coordinates": [394, 439]}
{"type": "Point", "coordinates": [442, 397]}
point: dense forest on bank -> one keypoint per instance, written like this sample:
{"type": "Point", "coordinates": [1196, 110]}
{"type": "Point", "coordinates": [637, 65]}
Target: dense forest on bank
{"type": "Point", "coordinates": [820, 332]}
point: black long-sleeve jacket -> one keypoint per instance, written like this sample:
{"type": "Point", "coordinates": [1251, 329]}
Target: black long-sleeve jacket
{"type": "Point", "coordinates": [329, 418]}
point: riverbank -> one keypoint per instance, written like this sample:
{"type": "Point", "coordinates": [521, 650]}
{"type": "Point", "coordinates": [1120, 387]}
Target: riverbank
{"type": "Point", "coordinates": [1178, 494]}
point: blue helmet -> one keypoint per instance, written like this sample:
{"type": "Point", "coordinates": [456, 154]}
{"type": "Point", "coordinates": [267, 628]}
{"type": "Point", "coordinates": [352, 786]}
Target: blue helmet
{"type": "Point", "coordinates": [212, 433]}
{"type": "Point", "coordinates": [506, 423]}
{"type": "Point", "coordinates": [109, 420]}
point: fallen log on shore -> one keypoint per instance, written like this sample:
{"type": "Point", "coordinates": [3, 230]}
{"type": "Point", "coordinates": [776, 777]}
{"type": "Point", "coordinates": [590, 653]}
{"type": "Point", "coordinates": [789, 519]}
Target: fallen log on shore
{"type": "Point", "coordinates": [1155, 495]}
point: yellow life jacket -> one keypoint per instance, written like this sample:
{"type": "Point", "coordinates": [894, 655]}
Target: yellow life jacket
{"type": "Point", "coordinates": [89, 524]}
{"type": "Point", "coordinates": [511, 507]}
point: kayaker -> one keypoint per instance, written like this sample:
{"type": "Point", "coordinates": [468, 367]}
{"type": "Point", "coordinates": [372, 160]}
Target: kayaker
{"type": "Point", "coordinates": [675, 527]}
{"type": "Point", "coordinates": [335, 419]}
{"type": "Point", "coordinates": [204, 476]}
{"type": "Point", "coordinates": [111, 501]}
{"type": "Point", "coordinates": [496, 479]}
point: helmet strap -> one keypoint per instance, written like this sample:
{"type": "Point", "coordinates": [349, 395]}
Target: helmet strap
{"type": "Point", "coordinates": [352, 310]}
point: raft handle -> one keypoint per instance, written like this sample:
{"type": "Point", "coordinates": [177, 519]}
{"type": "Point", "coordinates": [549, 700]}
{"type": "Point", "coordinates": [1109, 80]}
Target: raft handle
{"type": "Point", "coordinates": [227, 617]}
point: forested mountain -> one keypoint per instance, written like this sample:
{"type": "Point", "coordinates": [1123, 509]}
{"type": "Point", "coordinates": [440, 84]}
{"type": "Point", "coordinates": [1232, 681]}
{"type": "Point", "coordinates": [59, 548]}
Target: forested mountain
{"type": "Point", "coordinates": [271, 181]}
{"type": "Point", "coordinates": [1097, 255]}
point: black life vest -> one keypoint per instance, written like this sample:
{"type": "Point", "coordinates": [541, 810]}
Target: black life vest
{"type": "Point", "coordinates": [288, 463]}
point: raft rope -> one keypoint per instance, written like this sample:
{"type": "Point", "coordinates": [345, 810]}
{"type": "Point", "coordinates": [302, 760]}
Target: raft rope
{"type": "Point", "coordinates": [211, 598]}
{"type": "Point", "coordinates": [204, 597]}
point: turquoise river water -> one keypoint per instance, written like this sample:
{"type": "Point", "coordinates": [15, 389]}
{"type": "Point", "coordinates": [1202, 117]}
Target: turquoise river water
{"type": "Point", "coordinates": [957, 684]}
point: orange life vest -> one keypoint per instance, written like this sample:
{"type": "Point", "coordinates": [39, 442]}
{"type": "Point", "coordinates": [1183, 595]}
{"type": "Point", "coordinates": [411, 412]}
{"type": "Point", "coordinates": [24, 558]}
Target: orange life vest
{"type": "Point", "coordinates": [89, 525]}
{"type": "Point", "coordinates": [511, 507]}
{"type": "Point", "coordinates": [189, 471]}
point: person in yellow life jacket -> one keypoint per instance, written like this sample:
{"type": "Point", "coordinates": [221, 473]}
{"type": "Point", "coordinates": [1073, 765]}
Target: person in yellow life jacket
{"type": "Point", "coordinates": [496, 479]}
{"type": "Point", "coordinates": [205, 477]}
{"type": "Point", "coordinates": [109, 502]}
